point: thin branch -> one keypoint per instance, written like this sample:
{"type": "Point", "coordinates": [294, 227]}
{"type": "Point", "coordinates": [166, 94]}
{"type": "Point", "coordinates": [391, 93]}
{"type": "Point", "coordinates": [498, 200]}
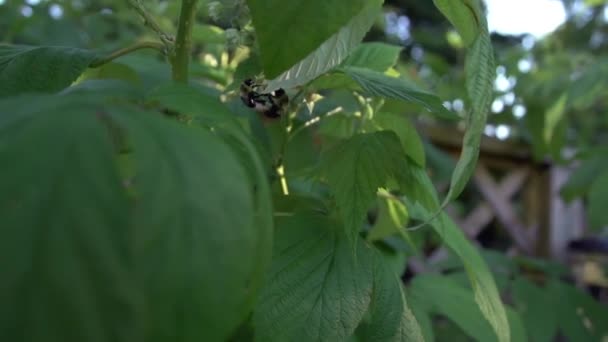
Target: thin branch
{"type": "Point", "coordinates": [121, 52]}
{"type": "Point", "coordinates": [151, 22]}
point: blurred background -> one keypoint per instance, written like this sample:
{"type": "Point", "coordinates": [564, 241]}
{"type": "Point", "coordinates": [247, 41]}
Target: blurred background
{"type": "Point", "coordinates": [536, 203]}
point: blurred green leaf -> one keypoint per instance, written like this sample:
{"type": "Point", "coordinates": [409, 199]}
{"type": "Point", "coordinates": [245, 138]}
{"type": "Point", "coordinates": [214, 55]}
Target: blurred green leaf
{"type": "Point", "coordinates": [582, 178]}
{"type": "Point", "coordinates": [448, 298]}
{"type": "Point", "coordinates": [533, 303]}
{"type": "Point", "coordinates": [185, 232]}
{"type": "Point", "coordinates": [422, 203]}
{"type": "Point", "coordinates": [465, 15]}
{"type": "Point", "coordinates": [66, 248]}
{"type": "Point", "coordinates": [27, 69]}
{"type": "Point", "coordinates": [598, 197]}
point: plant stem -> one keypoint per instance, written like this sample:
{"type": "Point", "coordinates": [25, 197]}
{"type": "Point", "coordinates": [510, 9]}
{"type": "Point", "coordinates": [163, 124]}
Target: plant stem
{"type": "Point", "coordinates": [121, 52]}
{"type": "Point", "coordinates": [151, 22]}
{"type": "Point", "coordinates": [183, 42]}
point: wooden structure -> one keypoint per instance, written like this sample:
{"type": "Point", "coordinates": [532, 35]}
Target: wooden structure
{"type": "Point", "coordinates": [518, 193]}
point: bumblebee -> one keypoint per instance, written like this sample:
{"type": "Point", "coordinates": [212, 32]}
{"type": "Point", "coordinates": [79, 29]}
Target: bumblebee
{"type": "Point", "coordinates": [271, 105]}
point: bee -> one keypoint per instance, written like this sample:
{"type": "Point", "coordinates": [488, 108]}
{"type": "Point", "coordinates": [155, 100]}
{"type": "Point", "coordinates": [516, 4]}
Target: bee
{"type": "Point", "coordinates": [271, 105]}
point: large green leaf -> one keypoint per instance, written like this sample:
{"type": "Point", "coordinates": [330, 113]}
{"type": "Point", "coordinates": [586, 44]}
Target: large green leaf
{"type": "Point", "coordinates": [378, 84]}
{"type": "Point", "coordinates": [450, 299]}
{"type": "Point", "coordinates": [199, 242]}
{"type": "Point", "coordinates": [390, 319]}
{"type": "Point", "coordinates": [288, 31]}
{"type": "Point", "coordinates": [376, 56]}
{"type": "Point", "coordinates": [65, 252]}
{"type": "Point", "coordinates": [356, 168]}
{"type": "Point", "coordinates": [479, 82]}
{"type": "Point", "coordinates": [162, 250]}
{"type": "Point", "coordinates": [332, 52]}
{"type": "Point", "coordinates": [465, 15]}
{"type": "Point", "coordinates": [532, 302]}
{"type": "Point", "coordinates": [317, 289]}
{"type": "Point", "coordinates": [422, 203]}
{"type": "Point", "coordinates": [26, 69]}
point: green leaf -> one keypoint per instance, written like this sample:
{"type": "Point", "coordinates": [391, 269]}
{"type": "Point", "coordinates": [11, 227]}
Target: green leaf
{"type": "Point", "coordinates": [49, 69]}
{"type": "Point", "coordinates": [422, 203]}
{"type": "Point", "coordinates": [113, 71]}
{"type": "Point", "coordinates": [356, 168]}
{"type": "Point", "coordinates": [201, 265]}
{"type": "Point", "coordinates": [581, 179]}
{"type": "Point", "coordinates": [598, 197]}
{"type": "Point", "coordinates": [390, 319]}
{"type": "Point", "coordinates": [392, 219]}
{"type": "Point", "coordinates": [579, 316]}
{"type": "Point", "coordinates": [208, 34]}
{"type": "Point", "coordinates": [191, 101]}
{"type": "Point", "coordinates": [479, 81]}
{"type": "Point", "coordinates": [331, 53]}
{"type": "Point", "coordinates": [375, 56]}
{"type": "Point", "coordinates": [378, 84]}
{"type": "Point", "coordinates": [532, 302]}
{"type": "Point", "coordinates": [457, 303]}
{"type": "Point", "coordinates": [288, 31]}
{"type": "Point", "coordinates": [117, 257]}
{"type": "Point", "coordinates": [317, 289]}
{"type": "Point", "coordinates": [410, 139]}
{"type": "Point", "coordinates": [553, 116]}
{"type": "Point", "coordinates": [65, 252]}
{"type": "Point", "coordinates": [465, 15]}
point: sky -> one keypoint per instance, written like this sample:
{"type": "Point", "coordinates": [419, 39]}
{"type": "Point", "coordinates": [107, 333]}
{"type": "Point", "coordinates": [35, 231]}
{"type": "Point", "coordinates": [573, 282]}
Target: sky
{"type": "Point", "coordinates": [536, 17]}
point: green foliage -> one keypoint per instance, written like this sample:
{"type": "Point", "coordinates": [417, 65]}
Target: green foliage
{"type": "Point", "coordinates": [377, 84]}
{"type": "Point", "coordinates": [329, 54]}
{"type": "Point", "coordinates": [300, 27]}
{"type": "Point", "coordinates": [465, 15]}
{"type": "Point", "coordinates": [151, 227]}
{"type": "Point", "coordinates": [317, 289]}
{"type": "Point", "coordinates": [139, 209]}
{"type": "Point", "coordinates": [374, 56]}
{"type": "Point", "coordinates": [480, 78]}
{"type": "Point", "coordinates": [356, 168]}
{"type": "Point", "coordinates": [40, 68]}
